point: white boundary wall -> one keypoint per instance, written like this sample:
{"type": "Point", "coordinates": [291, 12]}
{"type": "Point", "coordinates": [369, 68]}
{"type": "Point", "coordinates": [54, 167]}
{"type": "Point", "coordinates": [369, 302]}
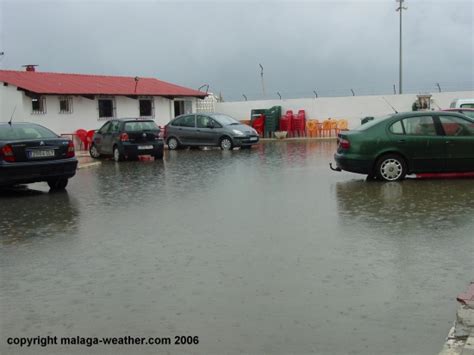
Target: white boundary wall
{"type": "Point", "coordinates": [85, 113]}
{"type": "Point", "coordinates": [352, 108]}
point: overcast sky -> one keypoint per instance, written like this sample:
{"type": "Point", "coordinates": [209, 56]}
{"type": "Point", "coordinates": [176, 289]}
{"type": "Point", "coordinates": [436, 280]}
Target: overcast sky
{"type": "Point", "coordinates": [327, 46]}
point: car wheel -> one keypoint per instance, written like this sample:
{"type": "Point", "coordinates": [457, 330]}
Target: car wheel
{"type": "Point", "coordinates": [391, 167]}
{"type": "Point", "coordinates": [94, 152]}
{"type": "Point", "coordinates": [226, 143]}
{"type": "Point", "coordinates": [117, 155]}
{"type": "Point", "coordinates": [58, 184]}
{"type": "Point", "coordinates": [173, 143]}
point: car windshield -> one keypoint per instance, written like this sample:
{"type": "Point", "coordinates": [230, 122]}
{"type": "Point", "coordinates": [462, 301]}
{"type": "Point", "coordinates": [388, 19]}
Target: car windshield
{"type": "Point", "coordinates": [139, 126]}
{"type": "Point", "coordinates": [371, 123]}
{"type": "Point", "coordinates": [25, 131]}
{"type": "Point", "coordinates": [225, 120]}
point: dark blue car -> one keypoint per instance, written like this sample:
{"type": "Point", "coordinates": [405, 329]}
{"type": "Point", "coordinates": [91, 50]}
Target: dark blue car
{"type": "Point", "coordinates": [32, 153]}
{"type": "Point", "coordinates": [127, 138]}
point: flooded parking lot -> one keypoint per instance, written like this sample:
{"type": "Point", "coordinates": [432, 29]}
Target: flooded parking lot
{"type": "Point", "coordinates": [261, 251]}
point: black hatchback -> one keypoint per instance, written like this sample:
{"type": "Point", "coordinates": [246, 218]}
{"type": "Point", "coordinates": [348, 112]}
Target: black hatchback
{"type": "Point", "coordinates": [127, 138]}
{"type": "Point", "coordinates": [32, 153]}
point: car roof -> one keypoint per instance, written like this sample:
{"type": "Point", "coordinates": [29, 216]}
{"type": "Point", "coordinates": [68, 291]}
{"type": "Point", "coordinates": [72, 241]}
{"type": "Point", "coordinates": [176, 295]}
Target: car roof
{"type": "Point", "coordinates": [132, 119]}
{"type": "Point", "coordinates": [459, 109]}
{"type": "Point", "coordinates": [19, 123]}
{"type": "Point", "coordinates": [424, 113]}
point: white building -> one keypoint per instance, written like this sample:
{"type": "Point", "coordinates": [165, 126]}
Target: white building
{"type": "Point", "coordinates": [67, 102]}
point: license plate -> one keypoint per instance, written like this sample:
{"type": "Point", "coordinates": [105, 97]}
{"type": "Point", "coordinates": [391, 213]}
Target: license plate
{"type": "Point", "coordinates": [46, 153]}
{"type": "Point", "coordinates": [253, 138]}
{"type": "Point", "coordinates": [145, 147]}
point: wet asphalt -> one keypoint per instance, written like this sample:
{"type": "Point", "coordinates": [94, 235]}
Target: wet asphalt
{"type": "Point", "coordinates": [261, 252]}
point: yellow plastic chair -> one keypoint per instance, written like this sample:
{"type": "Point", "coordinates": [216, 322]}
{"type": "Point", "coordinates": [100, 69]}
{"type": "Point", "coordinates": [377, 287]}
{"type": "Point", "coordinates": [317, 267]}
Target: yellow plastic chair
{"type": "Point", "coordinates": [342, 125]}
{"type": "Point", "coordinates": [326, 127]}
{"type": "Point", "coordinates": [312, 128]}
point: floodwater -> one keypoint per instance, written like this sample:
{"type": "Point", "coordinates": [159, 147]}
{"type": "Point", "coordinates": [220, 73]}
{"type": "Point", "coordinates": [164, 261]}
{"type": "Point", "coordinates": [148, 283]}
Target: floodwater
{"type": "Point", "coordinates": [260, 252]}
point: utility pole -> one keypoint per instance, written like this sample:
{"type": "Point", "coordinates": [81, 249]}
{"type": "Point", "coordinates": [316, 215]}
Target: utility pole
{"type": "Point", "coordinates": [400, 8]}
{"type": "Point", "coordinates": [263, 82]}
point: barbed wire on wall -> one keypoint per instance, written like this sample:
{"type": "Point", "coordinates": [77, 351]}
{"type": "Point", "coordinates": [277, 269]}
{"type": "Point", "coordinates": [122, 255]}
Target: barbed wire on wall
{"type": "Point", "coordinates": [235, 94]}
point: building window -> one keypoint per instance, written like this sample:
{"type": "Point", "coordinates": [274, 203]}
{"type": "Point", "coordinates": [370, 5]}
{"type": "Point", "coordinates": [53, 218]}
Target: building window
{"type": "Point", "coordinates": [38, 105]}
{"type": "Point", "coordinates": [106, 108]}
{"type": "Point", "coordinates": [65, 104]}
{"type": "Point", "coordinates": [146, 107]}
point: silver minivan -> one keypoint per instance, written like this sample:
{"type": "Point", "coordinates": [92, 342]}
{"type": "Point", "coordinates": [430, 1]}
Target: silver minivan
{"type": "Point", "coordinates": [208, 129]}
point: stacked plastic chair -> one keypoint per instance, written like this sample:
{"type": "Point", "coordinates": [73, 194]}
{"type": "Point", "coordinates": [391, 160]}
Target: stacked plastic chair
{"type": "Point", "coordinates": [326, 128]}
{"type": "Point", "coordinates": [272, 120]}
{"type": "Point", "coordinates": [286, 121]}
{"type": "Point", "coordinates": [299, 124]}
{"type": "Point", "coordinates": [258, 123]}
{"type": "Point", "coordinates": [90, 136]}
{"type": "Point", "coordinates": [312, 128]}
{"type": "Point", "coordinates": [82, 135]}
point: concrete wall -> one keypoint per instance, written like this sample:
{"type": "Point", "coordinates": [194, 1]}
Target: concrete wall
{"type": "Point", "coordinates": [85, 113]}
{"type": "Point", "coordinates": [351, 108]}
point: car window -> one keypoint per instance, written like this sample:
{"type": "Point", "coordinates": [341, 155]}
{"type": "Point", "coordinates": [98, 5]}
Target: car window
{"type": "Point", "coordinates": [225, 120]}
{"type": "Point", "coordinates": [419, 126]}
{"type": "Point", "coordinates": [104, 128]}
{"type": "Point", "coordinates": [185, 121]}
{"type": "Point", "coordinates": [188, 121]}
{"type": "Point", "coordinates": [14, 132]}
{"type": "Point", "coordinates": [455, 126]}
{"type": "Point", "coordinates": [202, 121]}
{"type": "Point", "coordinates": [138, 126]}
{"type": "Point", "coordinates": [114, 127]}
{"type": "Point", "coordinates": [373, 122]}
{"type": "Point", "coordinates": [467, 105]}
{"type": "Point", "coordinates": [397, 128]}
{"type": "Point", "coordinates": [467, 113]}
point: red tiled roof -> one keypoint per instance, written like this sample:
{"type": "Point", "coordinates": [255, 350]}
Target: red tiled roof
{"type": "Point", "coordinates": [81, 84]}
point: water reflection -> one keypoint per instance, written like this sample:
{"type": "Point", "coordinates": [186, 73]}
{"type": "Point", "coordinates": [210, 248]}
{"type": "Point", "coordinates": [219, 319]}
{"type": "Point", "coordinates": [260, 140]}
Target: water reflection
{"type": "Point", "coordinates": [411, 204]}
{"type": "Point", "coordinates": [27, 213]}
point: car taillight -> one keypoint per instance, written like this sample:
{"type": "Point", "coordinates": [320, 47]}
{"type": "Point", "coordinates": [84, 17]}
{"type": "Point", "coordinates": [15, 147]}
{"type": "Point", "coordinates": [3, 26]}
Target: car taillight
{"type": "Point", "coordinates": [344, 144]}
{"type": "Point", "coordinates": [124, 137]}
{"type": "Point", "coordinates": [165, 129]}
{"type": "Point", "coordinates": [70, 150]}
{"type": "Point", "coordinates": [6, 153]}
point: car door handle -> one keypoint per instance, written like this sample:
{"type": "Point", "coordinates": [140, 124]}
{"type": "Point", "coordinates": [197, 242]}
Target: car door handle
{"type": "Point", "coordinates": [401, 141]}
{"type": "Point", "coordinates": [198, 130]}
{"type": "Point", "coordinates": [448, 142]}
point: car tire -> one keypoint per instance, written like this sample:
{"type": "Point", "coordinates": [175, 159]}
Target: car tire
{"type": "Point", "coordinates": [94, 152]}
{"type": "Point", "coordinates": [226, 143]}
{"type": "Point", "coordinates": [117, 155]}
{"type": "Point", "coordinates": [172, 143]}
{"type": "Point", "coordinates": [58, 184]}
{"type": "Point", "coordinates": [391, 167]}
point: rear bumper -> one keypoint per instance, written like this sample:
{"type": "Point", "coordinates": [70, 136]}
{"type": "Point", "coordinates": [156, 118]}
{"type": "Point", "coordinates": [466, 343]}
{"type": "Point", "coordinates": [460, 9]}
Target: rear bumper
{"type": "Point", "coordinates": [353, 165]}
{"type": "Point", "coordinates": [136, 149]}
{"type": "Point", "coordinates": [29, 172]}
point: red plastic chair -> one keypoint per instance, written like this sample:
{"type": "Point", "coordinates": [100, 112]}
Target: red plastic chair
{"type": "Point", "coordinates": [286, 122]}
{"type": "Point", "coordinates": [82, 135]}
{"type": "Point", "coordinates": [259, 125]}
{"type": "Point", "coordinates": [299, 123]}
{"type": "Point", "coordinates": [90, 136]}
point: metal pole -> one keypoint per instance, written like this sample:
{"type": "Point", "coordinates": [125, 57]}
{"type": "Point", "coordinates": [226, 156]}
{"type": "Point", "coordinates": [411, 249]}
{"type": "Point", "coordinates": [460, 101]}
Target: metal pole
{"type": "Point", "coordinates": [400, 90]}
{"type": "Point", "coordinates": [263, 82]}
{"type": "Point", "coordinates": [400, 8]}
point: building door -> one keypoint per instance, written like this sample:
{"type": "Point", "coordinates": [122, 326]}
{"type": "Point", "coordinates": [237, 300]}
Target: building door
{"type": "Point", "coordinates": [182, 107]}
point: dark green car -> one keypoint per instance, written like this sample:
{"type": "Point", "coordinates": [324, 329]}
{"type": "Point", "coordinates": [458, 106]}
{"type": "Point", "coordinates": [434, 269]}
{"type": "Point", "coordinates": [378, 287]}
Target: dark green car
{"type": "Point", "coordinates": [390, 147]}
